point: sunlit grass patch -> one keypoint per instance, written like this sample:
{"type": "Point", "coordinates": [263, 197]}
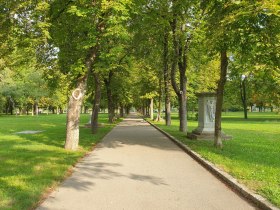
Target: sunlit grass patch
{"type": "Point", "coordinates": [31, 164]}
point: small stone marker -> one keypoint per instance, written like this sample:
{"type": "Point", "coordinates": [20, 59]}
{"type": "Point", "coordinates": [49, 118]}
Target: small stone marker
{"type": "Point", "coordinates": [206, 118]}
{"type": "Point", "coordinates": [29, 132]}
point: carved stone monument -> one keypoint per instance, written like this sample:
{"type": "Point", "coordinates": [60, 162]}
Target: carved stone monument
{"type": "Point", "coordinates": [206, 118]}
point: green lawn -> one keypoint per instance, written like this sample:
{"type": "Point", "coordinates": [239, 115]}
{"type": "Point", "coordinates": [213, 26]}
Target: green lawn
{"type": "Point", "coordinates": [252, 156]}
{"type": "Point", "coordinates": [32, 164]}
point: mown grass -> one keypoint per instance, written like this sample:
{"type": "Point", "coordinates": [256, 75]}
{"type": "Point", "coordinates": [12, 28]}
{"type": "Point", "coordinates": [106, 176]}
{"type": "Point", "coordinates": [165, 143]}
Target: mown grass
{"type": "Point", "coordinates": [252, 156]}
{"type": "Point", "coordinates": [32, 164]}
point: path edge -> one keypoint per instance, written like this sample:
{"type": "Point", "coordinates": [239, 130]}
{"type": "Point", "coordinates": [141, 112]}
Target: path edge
{"type": "Point", "coordinates": [243, 191]}
{"type": "Point", "coordinates": [69, 172]}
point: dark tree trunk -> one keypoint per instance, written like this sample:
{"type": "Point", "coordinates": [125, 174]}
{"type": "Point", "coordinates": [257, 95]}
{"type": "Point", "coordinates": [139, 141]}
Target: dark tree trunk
{"type": "Point", "coordinates": [183, 100]}
{"type": "Point", "coordinates": [180, 59]}
{"type": "Point", "coordinates": [121, 111]}
{"type": "Point", "coordinates": [85, 109]}
{"type": "Point", "coordinates": [244, 97]}
{"type": "Point", "coordinates": [6, 108]}
{"type": "Point", "coordinates": [166, 81]}
{"type": "Point", "coordinates": [73, 116]}
{"type": "Point", "coordinates": [159, 101]}
{"type": "Point", "coordinates": [219, 103]}
{"type": "Point", "coordinates": [96, 103]}
{"type": "Point", "coordinates": [60, 110]}
{"type": "Point", "coordinates": [127, 110]}
{"type": "Point", "coordinates": [111, 104]}
{"type": "Point", "coordinates": [11, 110]}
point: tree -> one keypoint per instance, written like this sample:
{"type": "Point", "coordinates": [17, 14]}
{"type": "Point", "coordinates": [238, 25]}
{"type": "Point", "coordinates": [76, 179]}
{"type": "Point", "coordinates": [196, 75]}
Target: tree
{"type": "Point", "coordinates": [186, 18]}
{"type": "Point", "coordinates": [250, 19]}
{"type": "Point", "coordinates": [77, 43]}
{"type": "Point", "coordinates": [79, 29]}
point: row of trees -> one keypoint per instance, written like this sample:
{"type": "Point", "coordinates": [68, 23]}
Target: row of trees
{"type": "Point", "coordinates": [138, 53]}
{"type": "Point", "coordinates": [190, 35]}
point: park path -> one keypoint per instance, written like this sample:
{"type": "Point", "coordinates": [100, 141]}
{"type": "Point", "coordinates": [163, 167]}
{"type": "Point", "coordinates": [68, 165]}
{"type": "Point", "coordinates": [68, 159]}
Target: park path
{"type": "Point", "coordinates": [137, 167]}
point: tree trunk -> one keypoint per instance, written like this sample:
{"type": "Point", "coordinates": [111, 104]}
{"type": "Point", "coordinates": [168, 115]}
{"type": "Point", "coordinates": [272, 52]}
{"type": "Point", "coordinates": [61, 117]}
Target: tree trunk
{"type": "Point", "coordinates": [219, 103]}
{"type": "Point", "coordinates": [244, 97]}
{"type": "Point", "coordinates": [127, 110]}
{"type": "Point", "coordinates": [11, 110]}
{"type": "Point", "coordinates": [183, 100]}
{"type": "Point", "coordinates": [73, 116]}
{"type": "Point", "coordinates": [152, 109]}
{"type": "Point", "coordinates": [111, 105]}
{"type": "Point", "coordinates": [6, 108]}
{"type": "Point", "coordinates": [159, 102]}
{"type": "Point", "coordinates": [32, 109]}
{"type": "Point", "coordinates": [85, 109]}
{"type": "Point", "coordinates": [121, 111]}
{"type": "Point", "coordinates": [96, 103]}
{"type": "Point", "coordinates": [111, 109]}
{"type": "Point", "coordinates": [36, 108]}
{"type": "Point", "coordinates": [180, 59]}
{"type": "Point", "coordinates": [75, 104]}
{"type": "Point", "coordinates": [166, 81]}
{"type": "Point", "coordinates": [148, 108]}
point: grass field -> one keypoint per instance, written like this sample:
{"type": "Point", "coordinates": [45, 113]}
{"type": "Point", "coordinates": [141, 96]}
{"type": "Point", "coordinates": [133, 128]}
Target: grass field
{"type": "Point", "coordinates": [252, 156]}
{"type": "Point", "coordinates": [32, 164]}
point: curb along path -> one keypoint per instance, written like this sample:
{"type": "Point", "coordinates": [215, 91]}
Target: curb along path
{"type": "Point", "coordinates": [258, 200]}
{"type": "Point", "coordinates": [137, 167]}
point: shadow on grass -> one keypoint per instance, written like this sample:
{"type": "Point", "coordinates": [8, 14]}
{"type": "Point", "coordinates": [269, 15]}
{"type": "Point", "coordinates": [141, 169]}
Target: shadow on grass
{"type": "Point", "coordinates": [30, 163]}
{"type": "Point", "coordinates": [25, 176]}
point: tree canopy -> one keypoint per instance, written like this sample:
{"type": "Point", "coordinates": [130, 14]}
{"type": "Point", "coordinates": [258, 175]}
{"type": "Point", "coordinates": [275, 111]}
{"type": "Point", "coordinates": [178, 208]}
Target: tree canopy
{"type": "Point", "coordinates": [59, 54]}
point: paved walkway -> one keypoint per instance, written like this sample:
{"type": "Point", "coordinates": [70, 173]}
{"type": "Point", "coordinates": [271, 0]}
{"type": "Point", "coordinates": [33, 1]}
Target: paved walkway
{"type": "Point", "coordinates": [136, 167]}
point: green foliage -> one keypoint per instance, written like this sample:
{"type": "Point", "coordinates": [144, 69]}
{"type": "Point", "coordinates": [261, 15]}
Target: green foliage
{"type": "Point", "coordinates": [79, 26]}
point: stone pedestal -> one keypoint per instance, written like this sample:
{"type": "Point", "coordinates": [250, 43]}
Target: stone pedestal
{"type": "Point", "coordinates": [206, 118]}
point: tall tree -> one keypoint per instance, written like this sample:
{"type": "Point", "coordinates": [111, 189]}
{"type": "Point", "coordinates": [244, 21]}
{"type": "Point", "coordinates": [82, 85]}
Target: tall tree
{"type": "Point", "coordinates": [77, 42]}
{"type": "Point", "coordinates": [184, 22]}
{"type": "Point", "coordinates": [250, 20]}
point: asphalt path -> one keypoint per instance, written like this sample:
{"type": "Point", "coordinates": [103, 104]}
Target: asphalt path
{"type": "Point", "coordinates": [137, 167]}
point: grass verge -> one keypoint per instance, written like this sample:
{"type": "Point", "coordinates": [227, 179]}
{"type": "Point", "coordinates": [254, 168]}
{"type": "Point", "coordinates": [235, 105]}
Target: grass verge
{"type": "Point", "coordinates": [252, 156]}
{"type": "Point", "coordinates": [32, 164]}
